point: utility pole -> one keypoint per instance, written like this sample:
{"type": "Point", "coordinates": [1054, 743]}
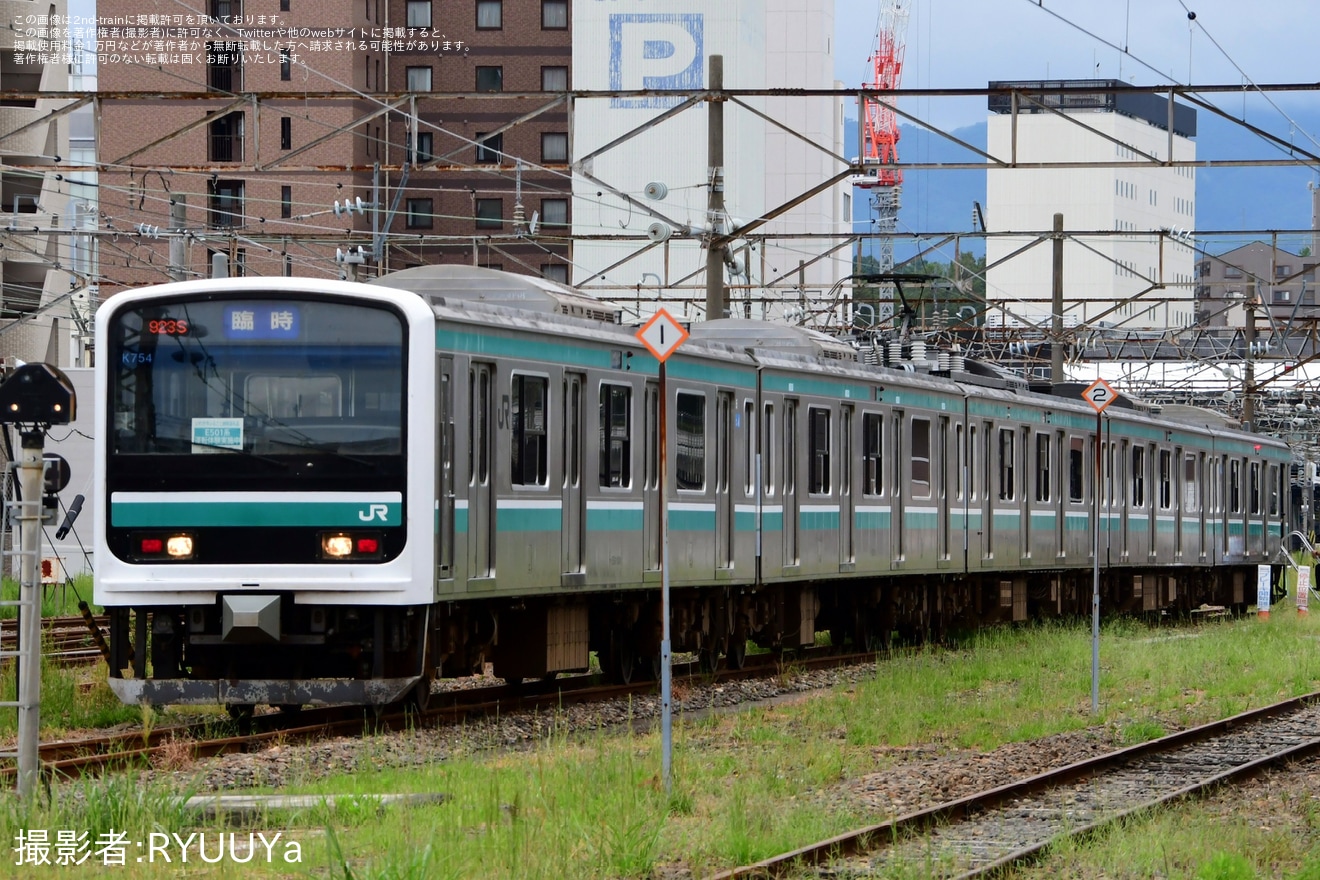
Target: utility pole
{"type": "Point", "coordinates": [178, 244]}
{"type": "Point", "coordinates": [715, 195]}
{"type": "Point", "coordinates": [1248, 364]}
{"type": "Point", "coordinates": [1056, 309]}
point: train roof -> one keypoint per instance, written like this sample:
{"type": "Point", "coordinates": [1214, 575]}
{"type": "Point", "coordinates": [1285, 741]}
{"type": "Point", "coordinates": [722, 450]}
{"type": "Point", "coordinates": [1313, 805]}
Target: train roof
{"type": "Point", "coordinates": [457, 282]}
{"type": "Point", "coordinates": [766, 335]}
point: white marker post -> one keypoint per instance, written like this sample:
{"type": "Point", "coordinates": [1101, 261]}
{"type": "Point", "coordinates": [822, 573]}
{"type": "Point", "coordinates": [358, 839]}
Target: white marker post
{"type": "Point", "coordinates": [662, 335]}
{"type": "Point", "coordinates": [1099, 394]}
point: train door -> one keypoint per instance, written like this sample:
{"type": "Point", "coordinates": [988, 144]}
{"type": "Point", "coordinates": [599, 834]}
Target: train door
{"type": "Point", "coordinates": [847, 546]}
{"type": "Point", "coordinates": [986, 450]}
{"type": "Point", "coordinates": [1152, 499]}
{"type": "Point", "coordinates": [1179, 478]}
{"type": "Point", "coordinates": [723, 484]}
{"type": "Point", "coordinates": [574, 510]}
{"type": "Point", "coordinates": [1120, 480]}
{"type": "Point", "coordinates": [1062, 478]}
{"type": "Point", "coordinates": [1197, 471]}
{"type": "Point", "coordinates": [651, 479]}
{"type": "Point", "coordinates": [898, 496]}
{"type": "Point", "coordinates": [943, 471]}
{"type": "Point", "coordinates": [1024, 503]}
{"type": "Point", "coordinates": [790, 496]}
{"type": "Point", "coordinates": [1255, 509]}
{"type": "Point", "coordinates": [481, 503]}
{"type": "Point", "coordinates": [444, 472]}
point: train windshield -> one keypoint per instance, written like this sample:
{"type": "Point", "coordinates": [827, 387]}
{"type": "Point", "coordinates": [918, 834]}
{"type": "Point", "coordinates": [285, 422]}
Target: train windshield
{"type": "Point", "coordinates": [264, 377]}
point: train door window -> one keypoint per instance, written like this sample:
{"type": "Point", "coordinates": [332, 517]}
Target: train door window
{"type": "Point", "coordinates": [572, 448]}
{"type": "Point", "coordinates": [818, 427]}
{"type": "Point", "coordinates": [749, 447]}
{"type": "Point", "coordinates": [920, 458]}
{"type": "Point", "coordinates": [1272, 486]}
{"type": "Point", "coordinates": [615, 436]}
{"type": "Point", "coordinates": [1166, 479]}
{"type": "Point", "coordinates": [960, 466]}
{"type": "Point", "coordinates": [1076, 471]}
{"type": "Point", "coordinates": [479, 427]}
{"type": "Point", "coordinates": [972, 451]}
{"type": "Point", "coordinates": [1138, 476]}
{"type": "Point", "coordinates": [1191, 486]}
{"type": "Point", "coordinates": [845, 451]}
{"type": "Point", "coordinates": [652, 438]}
{"type": "Point", "coordinates": [691, 438]}
{"type": "Point", "coordinates": [873, 480]}
{"type": "Point", "coordinates": [790, 447]}
{"type": "Point", "coordinates": [1254, 487]}
{"type": "Point", "coordinates": [1235, 486]}
{"type": "Point", "coordinates": [527, 452]}
{"type": "Point", "coordinates": [1007, 489]}
{"type": "Point", "coordinates": [768, 451]}
{"type": "Point", "coordinates": [1042, 467]}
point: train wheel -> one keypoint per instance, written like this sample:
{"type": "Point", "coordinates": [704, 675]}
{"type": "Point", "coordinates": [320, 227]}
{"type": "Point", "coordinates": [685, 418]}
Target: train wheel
{"type": "Point", "coordinates": [622, 659]}
{"type": "Point", "coordinates": [736, 656]}
{"type": "Point", "coordinates": [708, 658]}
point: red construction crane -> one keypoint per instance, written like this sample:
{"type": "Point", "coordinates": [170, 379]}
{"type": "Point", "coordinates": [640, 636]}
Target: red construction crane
{"type": "Point", "coordinates": [879, 123]}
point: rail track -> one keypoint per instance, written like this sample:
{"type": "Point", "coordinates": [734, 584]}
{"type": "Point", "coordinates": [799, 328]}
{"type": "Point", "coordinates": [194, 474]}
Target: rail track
{"type": "Point", "coordinates": [983, 834]}
{"type": "Point", "coordinates": [70, 758]}
{"type": "Point", "coordinates": [66, 641]}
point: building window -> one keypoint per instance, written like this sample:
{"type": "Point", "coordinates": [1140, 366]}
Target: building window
{"type": "Point", "coordinates": [554, 15]}
{"type": "Point", "coordinates": [1282, 295]}
{"type": "Point", "coordinates": [419, 79]}
{"type": "Point", "coordinates": [226, 138]}
{"type": "Point", "coordinates": [286, 64]}
{"type": "Point", "coordinates": [419, 13]}
{"type": "Point", "coordinates": [419, 214]}
{"type": "Point", "coordinates": [1232, 272]}
{"type": "Point", "coordinates": [425, 151]}
{"type": "Point", "coordinates": [490, 213]}
{"type": "Point", "coordinates": [555, 272]}
{"type": "Point", "coordinates": [528, 447]}
{"type": "Point", "coordinates": [489, 147]}
{"type": "Point", "coordinates": [554, 146]}
{"type": "Point", "coordinates": [225, 200]}
{"type": "Point", "coordinates": [490, 14]}
{"type": "Point", "coordinates": [615, 436]}
{"type": "Point", "coordinates": [1282, 271]}
{"type": "Point", "coordinates": [286, 202]}
{"type": "Point", "coordinates": [224, 70]}
{"type": "Point", "coordinates": [284, 5]}
{"type": "Point", "coordinates": [554, 212]}
{"type": "Point", "coordinates": [490, 79]}
{"type": "Point", "coordinates": [286, 132]}
{"type": "Point", "coordinates": [554, 79]}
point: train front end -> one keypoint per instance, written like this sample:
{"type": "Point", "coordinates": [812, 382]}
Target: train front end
{"type": "Point", "coordinates": [264, 533]}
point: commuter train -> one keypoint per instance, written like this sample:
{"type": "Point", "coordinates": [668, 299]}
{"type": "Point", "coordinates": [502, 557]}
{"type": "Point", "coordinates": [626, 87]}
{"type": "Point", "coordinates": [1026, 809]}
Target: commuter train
{"type": "Point", "coordinates": [329, 492]}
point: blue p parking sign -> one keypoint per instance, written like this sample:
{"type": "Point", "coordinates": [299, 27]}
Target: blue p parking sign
{"type": "Point", "coordinates": [655, 51]}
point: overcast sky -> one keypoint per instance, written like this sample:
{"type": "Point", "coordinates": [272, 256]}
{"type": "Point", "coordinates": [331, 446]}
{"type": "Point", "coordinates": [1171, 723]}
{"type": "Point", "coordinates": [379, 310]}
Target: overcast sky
{"type": "Point", "coordinates": [966, 43]}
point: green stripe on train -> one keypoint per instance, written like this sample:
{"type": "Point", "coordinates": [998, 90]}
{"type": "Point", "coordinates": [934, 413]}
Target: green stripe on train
{"type": "Point", "coordinates": [197, 514]}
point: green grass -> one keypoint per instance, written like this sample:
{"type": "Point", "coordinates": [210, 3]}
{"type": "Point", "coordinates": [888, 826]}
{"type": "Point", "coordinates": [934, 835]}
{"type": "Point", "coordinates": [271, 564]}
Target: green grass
{"type": "Point", "coordinates": [754, 783]}
{"type": "Point", "coordinates": [60, 600]}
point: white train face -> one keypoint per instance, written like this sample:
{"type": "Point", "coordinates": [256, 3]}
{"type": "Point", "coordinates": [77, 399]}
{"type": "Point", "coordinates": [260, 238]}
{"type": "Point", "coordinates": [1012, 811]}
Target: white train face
{"type": "Point", "coordinates": [249, 430]}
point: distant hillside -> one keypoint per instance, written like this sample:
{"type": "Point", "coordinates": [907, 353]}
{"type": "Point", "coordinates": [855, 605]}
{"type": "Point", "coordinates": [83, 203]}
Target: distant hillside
{"type": "Point", "coordinates": [1226, 198]}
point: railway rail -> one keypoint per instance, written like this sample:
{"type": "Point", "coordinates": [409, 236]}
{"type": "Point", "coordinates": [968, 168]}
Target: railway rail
{"type": "Point", "coordinates": [983, 834]}
{"type": "Point", "coordinates": [67, 641]}
{"type": "Point", "coordinates": [69, 758]}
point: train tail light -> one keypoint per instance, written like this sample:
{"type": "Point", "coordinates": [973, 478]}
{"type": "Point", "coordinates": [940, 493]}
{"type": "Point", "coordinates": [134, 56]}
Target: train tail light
{"type": "Point", "coordinates": [350, 546]}
{"type": "Point", "coordinates": [164, 548]}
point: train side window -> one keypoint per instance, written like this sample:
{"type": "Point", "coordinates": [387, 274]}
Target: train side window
{"type": "Point", "coordinates": [873, 482]}
{"type": "Point", "coordinates": [1042, 467]}
{"type": "Point", "coordinates": [615, 436]}
{"type": "Point", "coordinates": [768, 451]}
{"type": "Point", "coordinates": [1076, 472]}
{"type": "Point", "coordinates": [749, 447]}
{"type": "Point", "coordinates": [920, 458]}
{"type": "Point", "coordinates": [1254, 487]}
{"type": "Point", "coordinates": [1235, 486]}
{"type": "Point", "coordinates": [691, 438]}
{"type": "Point", "coordinates": [528, 451]}
{"type": "Point", "coordinates": [818, 421]}
{"type": "Point", "coordinates": [1166, 479]}
{"type": "Point", "coordinates": [1138, 476]}
{"type": "Point", "coordinates": [1007, 489]}
{"type": "Point", "coordinates": [1191, 486]}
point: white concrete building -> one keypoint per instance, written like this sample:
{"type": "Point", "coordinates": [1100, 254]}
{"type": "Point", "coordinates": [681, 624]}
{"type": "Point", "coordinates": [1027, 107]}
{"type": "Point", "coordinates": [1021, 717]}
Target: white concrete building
{"type": "Point", "coordinates": [1119, 205]}
{"type": "Point", "coordinates": [666, 44]}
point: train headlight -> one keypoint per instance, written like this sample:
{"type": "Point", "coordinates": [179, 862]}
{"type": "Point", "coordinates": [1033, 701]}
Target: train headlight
{"type": "Point", "coordinates": [351, 546]}
{"type": "Point", "coordinates": [179, 546]}
{"type": "Point", "coordinates": [337, 546]}
{"type": "Point", "coordinates": [163, 548]}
